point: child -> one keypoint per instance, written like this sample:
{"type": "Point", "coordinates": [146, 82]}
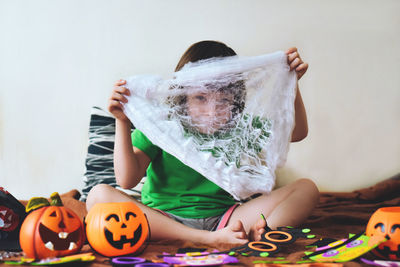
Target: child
{"type": "Point", "coordinates": [179, 202]}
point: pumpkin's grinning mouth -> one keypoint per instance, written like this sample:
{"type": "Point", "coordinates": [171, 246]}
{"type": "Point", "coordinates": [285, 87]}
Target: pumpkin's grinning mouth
{"type": "Point", "coordinates": [58, 241]}
{"type": "Point", "coordinates": [120, 243]}
{"type": "Point", "coordinates": [386, 251]}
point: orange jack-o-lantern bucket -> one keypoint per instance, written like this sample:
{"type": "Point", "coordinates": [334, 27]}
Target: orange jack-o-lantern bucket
{"type": "Point", "coordinates": [50, 230]}
{"type": "Point", "coordinates": [115, 229]}
{"type": "Point", "coordinates": [386, 222]}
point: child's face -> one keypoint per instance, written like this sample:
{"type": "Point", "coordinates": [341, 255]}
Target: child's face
{"type": "Point", "coordinates": [209, 111]}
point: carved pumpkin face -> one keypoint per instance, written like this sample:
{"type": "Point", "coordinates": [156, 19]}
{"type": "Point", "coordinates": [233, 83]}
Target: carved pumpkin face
{"type": "Point", "coordinates": [12, 214]}
{"type": "Point", "coordinates": [9, 220]}
{"type": "Point", "coordinates": [115, 229]}
{"type": "Point", "coordinates": [386, 222]}
{"type": "Point", "coordinates": [51, 231]}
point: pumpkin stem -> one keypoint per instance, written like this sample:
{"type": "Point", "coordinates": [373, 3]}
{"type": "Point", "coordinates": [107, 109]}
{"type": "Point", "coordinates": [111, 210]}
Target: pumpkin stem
{"type": "Point", "coordinates": [36, 203]}
{"type": "Point", "coordinates": [55, 199]}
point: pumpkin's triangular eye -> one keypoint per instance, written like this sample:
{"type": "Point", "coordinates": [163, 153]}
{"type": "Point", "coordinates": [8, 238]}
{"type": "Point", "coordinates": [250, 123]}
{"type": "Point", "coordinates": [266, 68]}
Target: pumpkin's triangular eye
{"type": "Point", "coordinates": [109, 217]}
{"type": "Point", "coordinates": [380, 225]}
{"type": "Point", "coordinates": [394, 227]}
{"type": "Point", "coordinates": [53, 214]}
{"type": "Point", "coordinates": [70, 215]}
{"type": "Point", "coordinates": [129, 214]}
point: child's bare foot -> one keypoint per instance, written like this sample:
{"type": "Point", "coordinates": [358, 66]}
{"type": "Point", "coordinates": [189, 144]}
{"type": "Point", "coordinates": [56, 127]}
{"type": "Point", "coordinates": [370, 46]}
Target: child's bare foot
{"type": "Point", "coordinates": [233, 234]}
{"type": "Point", "coordinates": [257, 230]}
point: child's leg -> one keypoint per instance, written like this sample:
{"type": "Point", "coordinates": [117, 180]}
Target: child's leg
{"type": "Point", "coordinates": [165, 228]}
{"type": "Point", "coordinates": [287, 206]}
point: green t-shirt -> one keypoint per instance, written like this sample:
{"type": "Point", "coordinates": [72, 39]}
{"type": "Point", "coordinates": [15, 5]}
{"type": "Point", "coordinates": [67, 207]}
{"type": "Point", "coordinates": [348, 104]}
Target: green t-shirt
{"type": "Point", "coordinates": [176, 188]}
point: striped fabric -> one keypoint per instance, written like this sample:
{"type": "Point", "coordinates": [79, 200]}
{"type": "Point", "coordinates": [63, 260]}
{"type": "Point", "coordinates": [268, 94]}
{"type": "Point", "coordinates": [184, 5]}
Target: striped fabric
{"type": "Point", "coordinates": [99, 159]}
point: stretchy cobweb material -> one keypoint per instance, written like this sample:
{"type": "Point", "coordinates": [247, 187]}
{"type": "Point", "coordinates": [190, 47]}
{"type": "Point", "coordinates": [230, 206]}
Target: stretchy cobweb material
{"type": "Point", "coordinates": [228, 118]}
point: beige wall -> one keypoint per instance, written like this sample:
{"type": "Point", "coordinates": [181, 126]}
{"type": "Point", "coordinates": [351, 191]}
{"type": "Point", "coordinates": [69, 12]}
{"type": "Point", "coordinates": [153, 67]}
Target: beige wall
{"type": "Point", "coordinates": [59, 58]}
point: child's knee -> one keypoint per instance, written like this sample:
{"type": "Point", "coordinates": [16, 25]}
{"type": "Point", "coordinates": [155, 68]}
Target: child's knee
{"type": "Point", "coordinates": [97, 194]}
{"type": "Point", "coordinates": [308, 187]}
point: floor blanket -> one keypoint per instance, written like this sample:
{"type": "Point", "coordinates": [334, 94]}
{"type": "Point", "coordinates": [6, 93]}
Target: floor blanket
{"type": "Point", "coordinates": [337, 215]}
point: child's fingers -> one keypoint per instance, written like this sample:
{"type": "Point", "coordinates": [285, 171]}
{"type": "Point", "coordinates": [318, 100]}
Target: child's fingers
{"type": "Point", "coordinates": [120, 82]}
{"type": "Point", "coordinates": [301, 69]}
{"type": "Point", "coordinates": [119, 97]}
{"type": "Point", "coordinates": [293, 56]}
{"type": "Point", "coordinates": [296, 62]}
{"type": "Point", "coordinates": [122, 90]}
{"type": "Point", "coordinates": [291, 50]}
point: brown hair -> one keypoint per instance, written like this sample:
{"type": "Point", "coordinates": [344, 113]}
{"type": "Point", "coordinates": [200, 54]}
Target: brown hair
{"type": "Point", "coordinates": [209, 49]}
{"type": "Point", "coordinates": [204, 50]}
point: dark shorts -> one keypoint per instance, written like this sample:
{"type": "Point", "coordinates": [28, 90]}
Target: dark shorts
{"type": "Point", "coordinates": [210, 223]}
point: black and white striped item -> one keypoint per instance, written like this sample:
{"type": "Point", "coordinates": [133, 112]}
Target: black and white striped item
{"type": "Point", "coordinates": [99, 159]}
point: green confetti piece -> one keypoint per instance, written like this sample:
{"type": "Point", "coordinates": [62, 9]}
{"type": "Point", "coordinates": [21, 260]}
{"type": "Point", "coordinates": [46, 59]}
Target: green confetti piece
{"type": "Point", "coordinates": [289, 227]}
{"type": "Point", "coordinates": [306, 230]}
{"type": "Point", "coordinates": [231, 253]}
{"type": "Point", "coordinates": [273, 261]}
{"type": "Point", "coordinates": [310, 236]}
{"type": "Point", "coordinates": [264, 254]}
{"type": "Point", "coordinates": [308, 252]}
{"type": "Point", "coordinates": [306, 261]}
{"type": "Point", "coordinates": [280, 258]}
{"type": "Point", "coordinates": [262, 262]}
{"type": "Point", "coordinates": [245, 254]}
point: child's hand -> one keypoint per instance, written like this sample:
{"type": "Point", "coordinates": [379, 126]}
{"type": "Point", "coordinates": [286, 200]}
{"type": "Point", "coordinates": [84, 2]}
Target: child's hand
{"type": "Point", "coordinates": [296, 63]}
{"type": "Point", "coordinates": [117, 96]}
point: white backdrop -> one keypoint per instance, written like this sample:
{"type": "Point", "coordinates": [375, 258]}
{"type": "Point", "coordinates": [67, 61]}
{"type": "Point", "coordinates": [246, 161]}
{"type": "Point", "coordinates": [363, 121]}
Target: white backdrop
{"type": "Point", "coordinates": [59, 58]}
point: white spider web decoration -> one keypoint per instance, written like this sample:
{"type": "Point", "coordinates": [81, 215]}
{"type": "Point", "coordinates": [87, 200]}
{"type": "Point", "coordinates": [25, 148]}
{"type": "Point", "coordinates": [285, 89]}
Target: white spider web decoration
{"type": "Point", "coordinates": [228, 118]}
